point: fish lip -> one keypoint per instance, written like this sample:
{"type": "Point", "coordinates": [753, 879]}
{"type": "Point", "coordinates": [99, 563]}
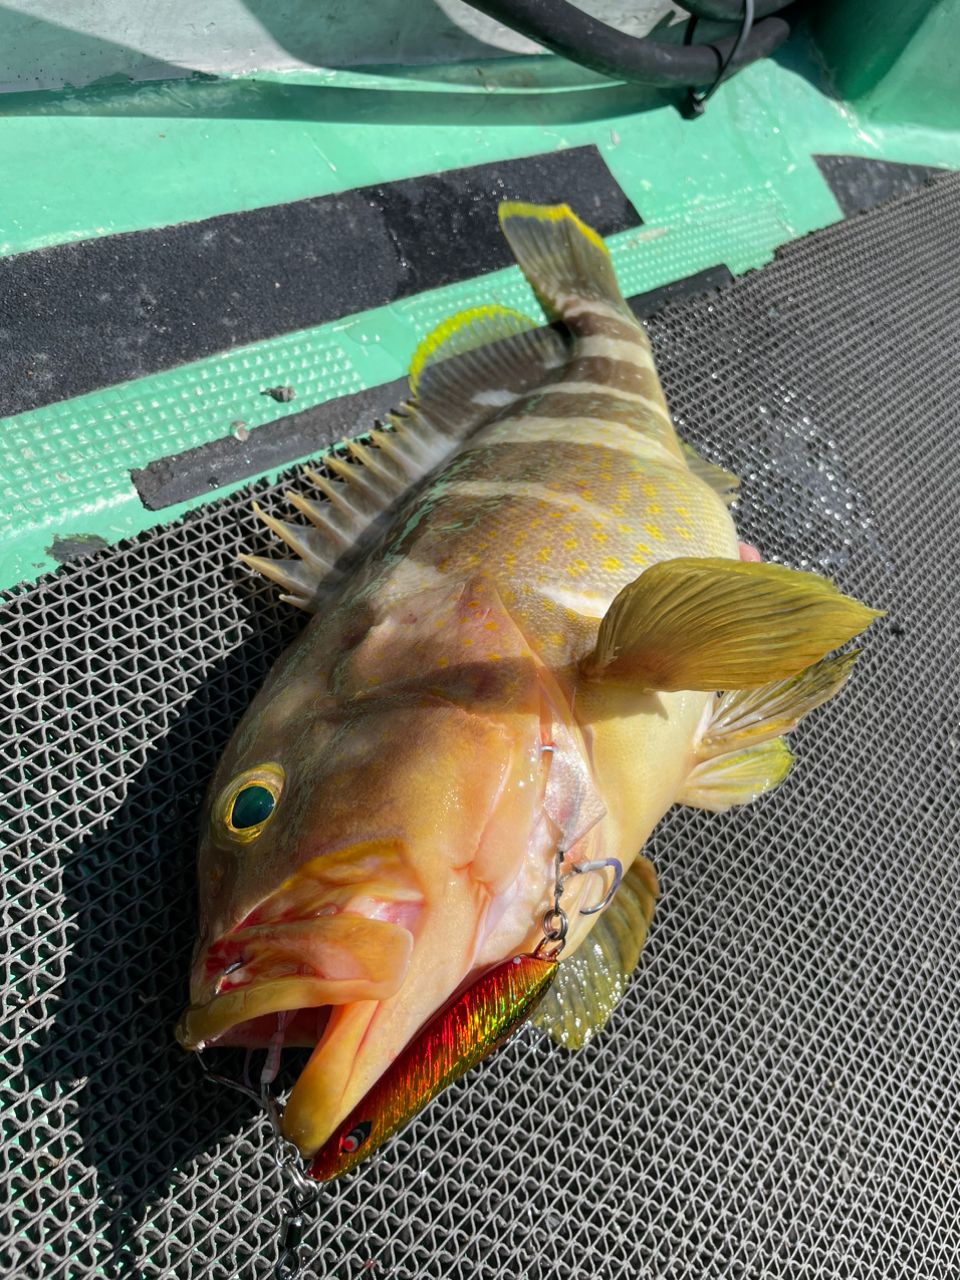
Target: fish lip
{"type": "Point", "coordinates": [310, 963]}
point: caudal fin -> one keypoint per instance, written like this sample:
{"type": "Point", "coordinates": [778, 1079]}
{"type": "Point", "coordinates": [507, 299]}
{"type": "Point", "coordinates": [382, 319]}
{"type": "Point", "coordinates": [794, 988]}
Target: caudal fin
{"type": "Point", "coordinates": [564, 260]}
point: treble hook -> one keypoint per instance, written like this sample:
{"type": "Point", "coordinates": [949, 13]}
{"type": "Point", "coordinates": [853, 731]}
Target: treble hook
{"type": "Point", "coordinates": [601, 864]}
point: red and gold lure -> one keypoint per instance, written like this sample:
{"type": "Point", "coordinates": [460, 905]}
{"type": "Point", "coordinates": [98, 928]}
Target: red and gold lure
{"type": "Point", "coordinates": [471, 1027]}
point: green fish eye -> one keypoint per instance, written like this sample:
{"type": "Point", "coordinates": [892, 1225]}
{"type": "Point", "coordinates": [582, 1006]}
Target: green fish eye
{"type": "Point", "coordinates": [248, 803]}
{"type": "Point", "coordinates": [253, 806]}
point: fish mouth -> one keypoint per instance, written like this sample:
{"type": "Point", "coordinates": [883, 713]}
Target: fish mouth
{"type": "Point", "coordinates": [295, 968]}
{"type": "Point", "coordinates": [330, 936]}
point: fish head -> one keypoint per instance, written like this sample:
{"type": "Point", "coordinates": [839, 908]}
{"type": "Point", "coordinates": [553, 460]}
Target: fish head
{"type": "Point", "coordinates": [382, 824]}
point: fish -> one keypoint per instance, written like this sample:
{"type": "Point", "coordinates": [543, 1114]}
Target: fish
{"type": "Point", "coordinates": [533, 630]}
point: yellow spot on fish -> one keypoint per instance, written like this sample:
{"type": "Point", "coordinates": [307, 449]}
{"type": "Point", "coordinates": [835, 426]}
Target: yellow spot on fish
{"type": "Point", "coordinates": [682, 511]}
{"type": "Point", "coordinates": [576, 566]}
{"type": "Point", "coordinates": [543, 554]}
{"type": "Point", "coordinates": [624, 528]}
{"type": "Point", "coordinates": [443, 662]}
{"type": "Point", "coordinates": [654, 508]}
{"type": "Point", "coordinates": [682, 531]}
{"type": "Point", "coordinates": [489, 626]}
{"type": "Point", "coordinates": [569, 543]}
{"type": "Point", "coordinates": [611, 564]}
{"type": "Point", "coordinates": [653, 531]}
{"type": "Point", "coordinates": [648, 490]}
{"type": "Point", "coordinates": [600, 537]}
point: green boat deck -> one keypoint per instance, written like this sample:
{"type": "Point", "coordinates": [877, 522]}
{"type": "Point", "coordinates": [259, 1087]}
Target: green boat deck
{"type": "Point", "coordinates": [728, 188]}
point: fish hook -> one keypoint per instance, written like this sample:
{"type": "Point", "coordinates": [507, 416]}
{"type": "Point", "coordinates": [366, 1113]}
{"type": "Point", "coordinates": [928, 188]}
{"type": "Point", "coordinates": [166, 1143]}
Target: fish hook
{"type": "Point", "coordinates": [600, 864]}
{"type": "Point", "coordinates": [303, 1190]}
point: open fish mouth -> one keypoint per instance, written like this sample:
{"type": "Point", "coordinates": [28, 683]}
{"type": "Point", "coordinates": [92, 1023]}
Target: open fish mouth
{"type": "Point", "coordinates": [293, 968]}
{"type": "Point", "coordinates": [324, 939]}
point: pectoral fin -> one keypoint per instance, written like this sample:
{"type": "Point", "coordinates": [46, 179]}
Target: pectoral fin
{"type": "Point", "coordinates": [590, 984]}
{"type": "Point", "coordinates": [710, 624]}
{"type": "Point", "coordinates": [745, 717]}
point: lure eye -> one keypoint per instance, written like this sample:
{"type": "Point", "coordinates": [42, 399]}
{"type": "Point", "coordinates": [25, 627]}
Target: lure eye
{"type": "Point", "coordinates": [249, 802]}
{"type": "Point", "coordinates": [354, 1140]}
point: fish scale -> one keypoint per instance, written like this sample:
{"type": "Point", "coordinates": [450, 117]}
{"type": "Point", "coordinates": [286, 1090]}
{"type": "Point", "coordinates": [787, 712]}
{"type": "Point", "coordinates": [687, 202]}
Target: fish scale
{"type": "Point", "coordinates": [526, 595]}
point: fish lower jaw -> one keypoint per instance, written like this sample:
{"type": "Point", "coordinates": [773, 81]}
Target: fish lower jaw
{"type": "Point", "coordinates": [245, 1016]}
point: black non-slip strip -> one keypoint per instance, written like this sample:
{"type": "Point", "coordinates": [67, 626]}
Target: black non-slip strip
{"type": "Point", "coordinates": [859, 183]}
{"type": "Point", "coordinates": [76, 317]}
{"type": "Point", "coordinates": [225, 461]}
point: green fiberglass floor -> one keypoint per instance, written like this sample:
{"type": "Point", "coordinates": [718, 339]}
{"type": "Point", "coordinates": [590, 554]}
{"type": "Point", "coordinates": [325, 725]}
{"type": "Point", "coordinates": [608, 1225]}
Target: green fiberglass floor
{"type": "Point", "coordinates": [726, 189]}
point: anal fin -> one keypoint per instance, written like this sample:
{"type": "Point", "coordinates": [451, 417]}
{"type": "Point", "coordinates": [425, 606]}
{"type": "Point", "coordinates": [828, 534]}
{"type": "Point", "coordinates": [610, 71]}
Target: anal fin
{"type": "Point", "coordinates": [590, 983]}
{"type": "Point", "coordinates": [739, 777]}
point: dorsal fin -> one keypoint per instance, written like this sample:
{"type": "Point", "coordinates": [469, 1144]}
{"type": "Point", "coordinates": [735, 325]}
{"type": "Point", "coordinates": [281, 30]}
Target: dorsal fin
{"type": "Point", "coordinates": [479, 362]}
{"type": "Point", "coordinates": [724, 483]}
{"type": "Point", "coordinates": [467, 371]}
{"type": "Point", "coordinates": [590, 984]}
{"type": "Point", "coordinates": [357, 488]}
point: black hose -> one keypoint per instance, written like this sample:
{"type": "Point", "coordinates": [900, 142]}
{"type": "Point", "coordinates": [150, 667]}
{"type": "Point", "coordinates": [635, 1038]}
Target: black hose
{"type": "Point", "coordinates": [730, 10]}
{"type": "Point", "coordinates": [574, 34]}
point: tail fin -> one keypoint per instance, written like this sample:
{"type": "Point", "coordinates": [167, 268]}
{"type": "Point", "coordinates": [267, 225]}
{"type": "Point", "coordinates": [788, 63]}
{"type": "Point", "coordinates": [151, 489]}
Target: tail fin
{"type": "Point", "coordinates": [563, 259]}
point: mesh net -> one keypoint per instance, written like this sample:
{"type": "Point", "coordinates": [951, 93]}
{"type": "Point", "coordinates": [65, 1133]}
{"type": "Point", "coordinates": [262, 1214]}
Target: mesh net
{"type": "Point", "coordinates": [778, 1095]}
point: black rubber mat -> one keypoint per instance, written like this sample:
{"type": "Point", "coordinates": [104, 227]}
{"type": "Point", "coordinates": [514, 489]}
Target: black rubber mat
{"type": "Point", "coordinates": [861, 182]}
{"type": "Point", "coordinates": [220, 462]}
{"type": "Point", "coordinates": [148, 300]}
{"type": "Point", "coordinates": [779, 1094]}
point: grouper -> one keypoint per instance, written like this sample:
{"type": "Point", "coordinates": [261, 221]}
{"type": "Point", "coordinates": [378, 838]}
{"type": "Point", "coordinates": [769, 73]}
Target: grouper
{"type": "Point", "coordinates": [534, 629]}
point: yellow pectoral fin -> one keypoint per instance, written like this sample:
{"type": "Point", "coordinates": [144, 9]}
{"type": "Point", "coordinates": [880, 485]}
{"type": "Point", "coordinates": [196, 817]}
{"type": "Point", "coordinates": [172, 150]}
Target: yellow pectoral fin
{"type": "Point", "coordinates": [745, 717]}
{"type": "Point", "coordinates": [710, 624]}
{"type": "Point", "coordinates": [737, 778]}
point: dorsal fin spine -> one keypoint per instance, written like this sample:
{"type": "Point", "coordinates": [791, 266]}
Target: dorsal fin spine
{"type": "Point", "coordinates": [299, 538]}
{"type": "Point", "coordinates": [463, 374]}
{"type": "Point", "coordinates": [318, 517]}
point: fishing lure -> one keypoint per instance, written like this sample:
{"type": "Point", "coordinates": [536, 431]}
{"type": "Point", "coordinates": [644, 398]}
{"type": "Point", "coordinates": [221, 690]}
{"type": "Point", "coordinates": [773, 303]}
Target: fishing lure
{"type": "Point", "coordinates": [469, 1029]}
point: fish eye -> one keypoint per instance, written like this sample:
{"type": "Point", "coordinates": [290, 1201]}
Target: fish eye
{"type": "Point", "coordinates": [252, 807]}
{"type": "Point", "coordinates": [248, 803]}
{"type": "Point", "coordinates": [354, 1140]}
